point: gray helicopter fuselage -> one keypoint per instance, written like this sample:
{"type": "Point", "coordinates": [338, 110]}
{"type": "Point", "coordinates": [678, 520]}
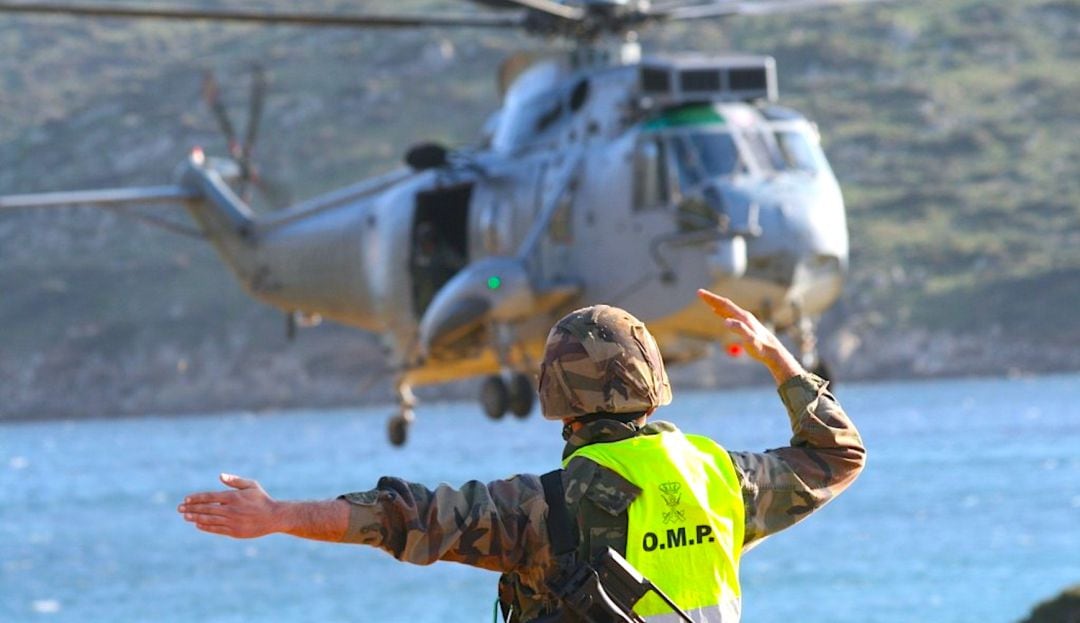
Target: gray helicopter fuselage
{"type": "Point", "coordinates": [581, 185]}
{"type": "Point", "coordinates": [603, 177]}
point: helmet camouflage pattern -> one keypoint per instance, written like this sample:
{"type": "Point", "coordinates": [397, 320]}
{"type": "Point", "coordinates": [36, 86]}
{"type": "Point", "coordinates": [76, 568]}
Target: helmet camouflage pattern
{"type": "Point", "coordinates": [601, 358]}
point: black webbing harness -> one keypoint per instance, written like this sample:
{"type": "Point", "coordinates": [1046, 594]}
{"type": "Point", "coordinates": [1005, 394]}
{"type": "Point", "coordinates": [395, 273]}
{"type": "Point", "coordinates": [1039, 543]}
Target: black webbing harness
{"type": "Point", "coordinates": [561, 528]}
{"type": "Point", "coordinates": [602, 592]}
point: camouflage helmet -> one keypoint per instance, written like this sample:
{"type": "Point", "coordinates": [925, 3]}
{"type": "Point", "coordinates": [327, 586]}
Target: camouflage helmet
{"type": "Point", "coordinates": [601, 359]}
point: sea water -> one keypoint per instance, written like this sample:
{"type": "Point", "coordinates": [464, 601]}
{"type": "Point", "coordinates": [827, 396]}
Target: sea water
{"type": "Point", "coordinates": [969, 509]}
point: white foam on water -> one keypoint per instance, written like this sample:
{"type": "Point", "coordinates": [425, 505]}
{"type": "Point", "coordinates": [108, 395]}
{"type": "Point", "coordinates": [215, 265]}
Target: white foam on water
{"type": "Point", "coordinates": [45, 606]}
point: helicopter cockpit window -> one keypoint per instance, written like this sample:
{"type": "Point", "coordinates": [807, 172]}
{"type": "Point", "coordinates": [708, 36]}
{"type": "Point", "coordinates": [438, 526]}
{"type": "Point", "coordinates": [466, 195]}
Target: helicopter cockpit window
{"type": "Point", "coordinates": [651, 174]}
{"type": "Point", "coordinates": [799, 151]}
{"type": "Point", "coordinates": [772, 149]}
{"type": "Point", "coordinates": [765, 153]}
{"type": "Point", "coordinates": [703, 155]}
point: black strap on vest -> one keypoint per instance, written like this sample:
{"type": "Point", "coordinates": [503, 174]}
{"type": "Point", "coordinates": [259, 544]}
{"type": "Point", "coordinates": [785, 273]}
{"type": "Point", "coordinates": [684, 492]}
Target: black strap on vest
{"type": "Point", "coordinates": [562, 529]}
{"type": "Point", "coordinates": [604, 592]}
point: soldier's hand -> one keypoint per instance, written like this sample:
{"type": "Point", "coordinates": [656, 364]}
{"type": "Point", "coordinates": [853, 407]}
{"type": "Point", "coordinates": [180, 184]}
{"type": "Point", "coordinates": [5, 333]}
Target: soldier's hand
{"type": "Point", "coordinates": [755, 338]}
{"type": "Point", "coordinates": [245, 512]}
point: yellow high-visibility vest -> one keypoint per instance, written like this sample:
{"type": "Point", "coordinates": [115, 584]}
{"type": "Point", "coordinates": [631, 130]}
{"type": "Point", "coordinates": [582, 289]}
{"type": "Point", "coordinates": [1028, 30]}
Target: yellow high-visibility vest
{"type": "Point", "coordinates": [685, 530]}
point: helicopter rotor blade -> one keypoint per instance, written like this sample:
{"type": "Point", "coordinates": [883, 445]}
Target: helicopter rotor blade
{"type": "Point", "coordinates": [249, 177]}
{"type": "Point", "coordinates": [255, 108]}
{"type": "Point", "coordinates": [731, 9]}
{"type": "Point", "coordinates": [263, 17]}
{"type": "Point", "coordinates": [212, 96]}
{"type": "Point", "coordinates": [548, 7]}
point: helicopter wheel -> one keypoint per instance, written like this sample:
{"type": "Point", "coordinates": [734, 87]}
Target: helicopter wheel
{"type": "Point", "coordinates": [522, 395]}
{"type": "Point", "coordinates": [494, 397]}
{"type": "Point", "coordinates": [398, 428]}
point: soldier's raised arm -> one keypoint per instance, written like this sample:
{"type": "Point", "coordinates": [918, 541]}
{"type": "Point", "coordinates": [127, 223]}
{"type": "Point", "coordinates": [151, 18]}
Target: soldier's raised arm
{"type": "Point", "coordinates": [826, 453]}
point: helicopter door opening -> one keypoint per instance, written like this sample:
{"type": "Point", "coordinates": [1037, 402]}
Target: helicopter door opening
{"type": "Point", "coordinates": [439, 241]}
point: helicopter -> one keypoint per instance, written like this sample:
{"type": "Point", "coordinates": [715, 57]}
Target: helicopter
{"type": "Point", "coordinates": [605, 176]}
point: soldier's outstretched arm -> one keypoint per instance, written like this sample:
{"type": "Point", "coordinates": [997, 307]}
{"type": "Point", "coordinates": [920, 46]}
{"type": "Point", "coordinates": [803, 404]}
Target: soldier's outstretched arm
{"type": "Point", "coordinates": [826, 453]}
{"type": "Point", "coordinates": [500, 525]}
{"type": "Point", "coordinates": [246, 511]}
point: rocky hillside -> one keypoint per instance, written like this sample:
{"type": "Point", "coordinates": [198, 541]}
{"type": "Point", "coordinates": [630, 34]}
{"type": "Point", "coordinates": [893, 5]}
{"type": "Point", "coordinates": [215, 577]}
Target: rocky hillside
{"type": "Point", "coordinates": [954, 127]}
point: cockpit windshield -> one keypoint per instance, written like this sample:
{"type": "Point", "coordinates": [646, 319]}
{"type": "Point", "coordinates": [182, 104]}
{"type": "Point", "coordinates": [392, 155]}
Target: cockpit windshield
{"type": "Point", "coordinates": [799, 151]}
{"type": "Point", "coordinates": [700, 156]}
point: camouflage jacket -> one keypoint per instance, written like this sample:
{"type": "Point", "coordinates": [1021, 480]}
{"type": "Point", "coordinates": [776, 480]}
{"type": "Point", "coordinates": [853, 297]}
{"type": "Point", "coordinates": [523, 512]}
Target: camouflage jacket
{"type": "Point", "coordinates": [502, 525]}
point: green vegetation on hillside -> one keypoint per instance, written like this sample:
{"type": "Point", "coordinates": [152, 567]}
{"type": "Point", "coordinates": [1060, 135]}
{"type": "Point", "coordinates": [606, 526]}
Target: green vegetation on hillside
{"type": "Point", "coordinates": [954, 127]}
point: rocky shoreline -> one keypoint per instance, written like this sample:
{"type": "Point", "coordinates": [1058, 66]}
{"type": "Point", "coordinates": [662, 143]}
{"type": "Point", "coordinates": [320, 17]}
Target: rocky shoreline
{"type": "Point", "coordinates": [337, 367]}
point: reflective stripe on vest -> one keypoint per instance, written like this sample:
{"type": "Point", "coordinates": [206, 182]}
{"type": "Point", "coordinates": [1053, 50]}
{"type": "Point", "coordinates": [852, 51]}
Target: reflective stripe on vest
{"type": "Point", "coordinates": [726, 612]}
{"type": "Point", "coordinates": [685, 530]}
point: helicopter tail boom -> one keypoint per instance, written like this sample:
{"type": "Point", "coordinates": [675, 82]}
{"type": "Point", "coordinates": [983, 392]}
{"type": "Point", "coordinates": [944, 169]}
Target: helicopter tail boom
{"type": "Point", "coordinates": [221, 213]}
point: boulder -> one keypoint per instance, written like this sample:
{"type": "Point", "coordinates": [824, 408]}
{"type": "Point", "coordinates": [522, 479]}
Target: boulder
{"type": "Point", "coordinates": [1065, 608]}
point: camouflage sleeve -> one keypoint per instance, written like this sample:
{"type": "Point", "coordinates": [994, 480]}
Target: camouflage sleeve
{"type": "Point", "coordinates": [496, 526]}
{"type": "Point", "coordinates": [783, 486]}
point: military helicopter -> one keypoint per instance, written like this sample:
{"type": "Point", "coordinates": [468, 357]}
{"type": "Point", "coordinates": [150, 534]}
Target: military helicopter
{"type": "Point", "coordinates": [605, 176]}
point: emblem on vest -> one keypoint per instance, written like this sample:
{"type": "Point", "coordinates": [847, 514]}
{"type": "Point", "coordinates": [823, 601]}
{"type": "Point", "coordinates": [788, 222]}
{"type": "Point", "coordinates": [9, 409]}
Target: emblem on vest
{"type": "Point", "coordinates": [672, 494]}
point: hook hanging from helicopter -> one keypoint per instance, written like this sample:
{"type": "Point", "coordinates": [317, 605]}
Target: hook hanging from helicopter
{"type": "Point", "coordinates": [461, 261]}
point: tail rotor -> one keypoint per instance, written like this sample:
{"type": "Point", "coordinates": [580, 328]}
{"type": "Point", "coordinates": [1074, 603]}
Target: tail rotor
{"type": "Point", "coordinates": [243, 151]}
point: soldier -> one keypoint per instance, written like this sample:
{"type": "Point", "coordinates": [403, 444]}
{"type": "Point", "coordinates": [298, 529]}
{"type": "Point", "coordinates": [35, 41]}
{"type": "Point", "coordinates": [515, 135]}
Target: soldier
{"type": "Point", "coordinates": [680, 508]}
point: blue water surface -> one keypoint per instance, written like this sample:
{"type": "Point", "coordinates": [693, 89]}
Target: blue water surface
{"type": "Point", "coordinates": [969, 510]}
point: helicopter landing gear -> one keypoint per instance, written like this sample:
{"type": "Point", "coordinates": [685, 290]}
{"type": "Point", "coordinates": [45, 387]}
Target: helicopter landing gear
{"type": "Point", "coordinates": [498, 396]}
{"type": "Point", "coordinates": [508, 391]}
{"type": "Point", "coordinates": [494, 397]}
{"type": "Point", "coordinates": [808, 353]}
{"type": "Point", "coordinates": [397, 428]}
{"type": "Point", "coordinates": [522, 395]}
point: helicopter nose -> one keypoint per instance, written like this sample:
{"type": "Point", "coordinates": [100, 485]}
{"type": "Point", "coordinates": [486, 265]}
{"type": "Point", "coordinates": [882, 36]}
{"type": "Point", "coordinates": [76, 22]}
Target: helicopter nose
{"type": "Point", "coordinates": [801, 255]}
{"type": "Point", "coordinates": [788, 269]}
